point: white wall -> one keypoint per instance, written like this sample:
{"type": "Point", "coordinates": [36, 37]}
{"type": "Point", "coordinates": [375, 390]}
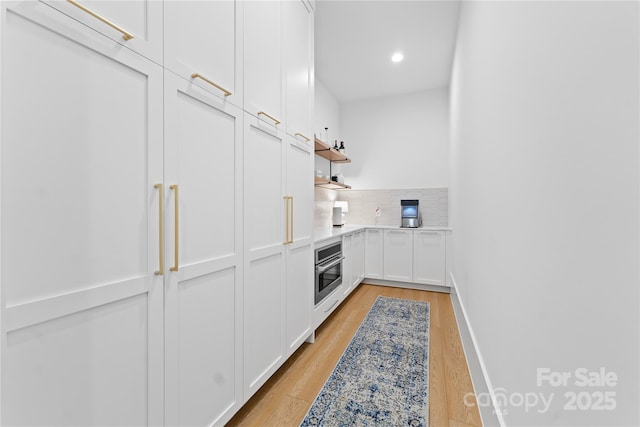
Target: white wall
{"type": "Point", "coordinates": [398, 142]}
{"type": "Point", "coordinates": [327, 114]}
{"type": "Point", "coordinates": [544, 198]}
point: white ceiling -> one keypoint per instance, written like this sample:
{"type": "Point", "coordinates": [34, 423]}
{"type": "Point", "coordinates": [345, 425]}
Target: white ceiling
{"type": "Point", "coordinates": [354, 41]}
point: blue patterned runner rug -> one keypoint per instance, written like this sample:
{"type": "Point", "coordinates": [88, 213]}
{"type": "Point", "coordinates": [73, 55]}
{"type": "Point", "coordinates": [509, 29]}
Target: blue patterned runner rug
{"type": "Point", "coordinates": [382, 379]}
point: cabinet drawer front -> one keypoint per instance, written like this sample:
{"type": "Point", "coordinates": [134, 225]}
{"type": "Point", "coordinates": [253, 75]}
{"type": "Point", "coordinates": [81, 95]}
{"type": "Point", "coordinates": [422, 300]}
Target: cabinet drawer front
{"type": "Point", "coordinates": [263, 71]}
{"type": "Point", "coordinates": [200, 38]}
{"type": "Point", "coordinates": [322, 311]}
{"type": "Point", "coordinates": [141, 20]}
{"type": "Point", "coordinates": [297, 28]}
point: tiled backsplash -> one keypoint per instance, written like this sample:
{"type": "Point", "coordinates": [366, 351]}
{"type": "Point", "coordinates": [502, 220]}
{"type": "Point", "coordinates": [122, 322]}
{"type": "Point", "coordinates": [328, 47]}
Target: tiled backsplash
{"type": "Point", "coordinates": [324, 199]}
{"type": "Point", "coordinates": [363, 203]}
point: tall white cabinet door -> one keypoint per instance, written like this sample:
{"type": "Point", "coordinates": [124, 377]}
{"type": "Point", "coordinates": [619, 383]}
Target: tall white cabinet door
{"type": "Point", "coordinates": [203, 173]}
{"type": "Point", "coordinates": [264, 237]}
{"type": "Point", "coordinates": [136, 24]}
{"type": "Point", "coordinates": [374, 250]}
{"type": "Point", "coordinates": [263, 71]}
{"type": "Point", "coordinates": [429, 257]}
{"type": "Point", "coordinates": [200, 41]}
{"type": "Point", "coordinates": [398, 255]}
{"type": "Point", "coordinates": [79, 234]}
{"type": "Point", "coordinates": [300, 278]}
{"type": "Point", "coordinates": [298, 25]}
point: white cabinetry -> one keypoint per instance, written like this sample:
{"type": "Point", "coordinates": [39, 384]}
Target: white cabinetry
{"type": "Point", "coordinates": [347, 264]}
{"type": "Point", "coordinates": [353, 265]}
{"type": "Point", "coordinates": [203, 278]}
{"type": "Point", "coordinates": [156, 239]}
{"type": "Point", "coordinates": [327, 306]}
{"type": "Point", "coordinates": [299, 259]}
{"type": "Point", "coordinates": [398, 255]}
{"type": "Point", "coordinates": [374, 253]}
{"type": "Point", "coordinates": [298, 36]}
{"type": "Point", "coordinates": [429, 257]}
{"type": "Point", "coordinates": [136, 25]}
{"type": "Point", "coordinates": [278, 247]}
{"type": "Point", "coordinates": [263, 67]}
{"type": "Point", "coordinates": [358, 251]}
{"type": "Point", "coordinates": [264, 245]}
{"type": "Point", "coordinates": [82, 310]}
{"type": "Point", "coordinates": [200, 44]}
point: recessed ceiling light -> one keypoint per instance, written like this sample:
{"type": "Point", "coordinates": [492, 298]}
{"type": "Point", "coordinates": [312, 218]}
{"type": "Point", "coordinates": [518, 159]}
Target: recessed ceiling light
{"type": "Point", "coordinates": [397, 57]}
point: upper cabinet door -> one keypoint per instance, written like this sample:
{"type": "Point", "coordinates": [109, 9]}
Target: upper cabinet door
{"type": "Point", "coordinates": [136, 24]}
{"type": "Point", "coordinates": [298, 38]}
{"type": "Point", "coordinates": [263, 73]}
{"type": "Point", "coordinates": [200, 44]}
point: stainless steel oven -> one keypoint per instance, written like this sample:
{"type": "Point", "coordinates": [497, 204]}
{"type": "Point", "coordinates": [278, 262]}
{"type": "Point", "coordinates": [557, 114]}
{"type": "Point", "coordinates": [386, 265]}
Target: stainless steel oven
{"type": "Point", "coordinates": [328, 270]}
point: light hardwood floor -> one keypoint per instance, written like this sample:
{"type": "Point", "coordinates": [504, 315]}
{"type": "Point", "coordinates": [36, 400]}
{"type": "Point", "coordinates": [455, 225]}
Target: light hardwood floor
{"type": "Point", "coordinates": [285, 399]}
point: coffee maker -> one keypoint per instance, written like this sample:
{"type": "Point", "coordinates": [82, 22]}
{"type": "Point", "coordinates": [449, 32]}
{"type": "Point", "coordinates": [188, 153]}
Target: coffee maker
{"type": "Point", "coordinates": [410, 214]}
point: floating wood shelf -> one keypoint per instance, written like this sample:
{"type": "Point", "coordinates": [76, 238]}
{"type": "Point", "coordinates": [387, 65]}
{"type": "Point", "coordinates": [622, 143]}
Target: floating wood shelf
{"type": "Point", "coordinates": [332, 185]}
{"type": "Point", "coordinates": [323, 149]}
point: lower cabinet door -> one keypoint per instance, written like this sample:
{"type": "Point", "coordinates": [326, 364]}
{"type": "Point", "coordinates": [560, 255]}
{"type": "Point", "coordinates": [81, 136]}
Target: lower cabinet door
{"type": "Point", "coordinates": [429, 257]}
{"type": "Point", "coordinates": [82, 310]}
{"type": "Point", "coordinates": [347, 264]}
{"type": "Point", "coordinates": [398, 255]}
{"type": "Point", "coordinates": [299, 296]}
{"type": "Point", "coordinates": [374, 253]}
{"type": "Point", "coordinates": [204, 265]}
{"type": "Point", "coordinates": [357, 255]}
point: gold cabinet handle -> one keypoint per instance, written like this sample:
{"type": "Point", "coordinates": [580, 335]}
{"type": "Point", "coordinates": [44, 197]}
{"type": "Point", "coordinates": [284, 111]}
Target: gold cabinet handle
{"type": "Point", "coordinates": [176, 237]}
{"type": "Point", "coordinates": [262, 113]}
{"type": "Point", "coordinates": [125, 34]}
{"type": "Point", "coordinates": [217, 86]}
{"type": "Point", "coordinates": [288, 206]}
{"type": "Point", "coordinates": [286, 226]}
{"type": "Point", "coordinates": [291, 219]}
{"type": "Point", "coordinates": [301, 135]}
{"type": "Point", "coordinates": [161, 228]}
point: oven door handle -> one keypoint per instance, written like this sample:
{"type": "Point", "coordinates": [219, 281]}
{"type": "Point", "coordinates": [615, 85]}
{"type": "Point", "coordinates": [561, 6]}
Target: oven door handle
{"type": "Point", "coordinates": [322, 268]}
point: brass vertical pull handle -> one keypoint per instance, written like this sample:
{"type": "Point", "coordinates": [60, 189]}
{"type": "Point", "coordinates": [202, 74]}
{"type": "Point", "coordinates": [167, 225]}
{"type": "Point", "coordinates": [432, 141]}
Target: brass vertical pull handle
{"type": "Point", "coordinates": [217, 86]}
{"type": "Point", "coordinates": [286, 225]}
{"type": "Point", "coordinates": [262, 113]}
{"type": "Point", "coordinates": [301, 135]}
{"type": "Point", "coordinates": [161, 228]}
{"type": "Point", "coordinates": [125, 34]}
{"type": "Point", "coordinates": [291, 220]}
{"type": "Point", "coordinates": [176, 223]}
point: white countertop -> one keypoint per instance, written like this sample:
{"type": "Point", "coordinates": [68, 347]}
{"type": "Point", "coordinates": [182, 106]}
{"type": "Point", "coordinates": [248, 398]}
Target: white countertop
{"type": "Point", "coordinates": [325, 233]}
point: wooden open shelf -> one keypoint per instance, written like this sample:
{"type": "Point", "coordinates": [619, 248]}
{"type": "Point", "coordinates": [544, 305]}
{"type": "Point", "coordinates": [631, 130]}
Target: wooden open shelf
{"type": "Point", "coordinates": [332, 185]}
{"type": "Point", "coordinates": [323, 149]}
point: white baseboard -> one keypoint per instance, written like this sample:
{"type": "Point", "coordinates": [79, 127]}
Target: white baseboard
{"type": "Point", "coordinates": [407, 285]}
{"type": "Point", "coordinates": [491, 415]}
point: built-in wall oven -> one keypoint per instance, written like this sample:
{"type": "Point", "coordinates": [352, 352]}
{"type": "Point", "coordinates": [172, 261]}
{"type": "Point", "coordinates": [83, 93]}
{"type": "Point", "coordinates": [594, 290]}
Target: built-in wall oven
{"type": "Point", "coordinates": [328, 270]}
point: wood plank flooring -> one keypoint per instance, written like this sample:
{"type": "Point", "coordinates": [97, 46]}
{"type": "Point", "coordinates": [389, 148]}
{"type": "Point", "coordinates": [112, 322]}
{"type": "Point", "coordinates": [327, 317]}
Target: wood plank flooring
{"type": "Point", "coordinates": [285, 399]}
